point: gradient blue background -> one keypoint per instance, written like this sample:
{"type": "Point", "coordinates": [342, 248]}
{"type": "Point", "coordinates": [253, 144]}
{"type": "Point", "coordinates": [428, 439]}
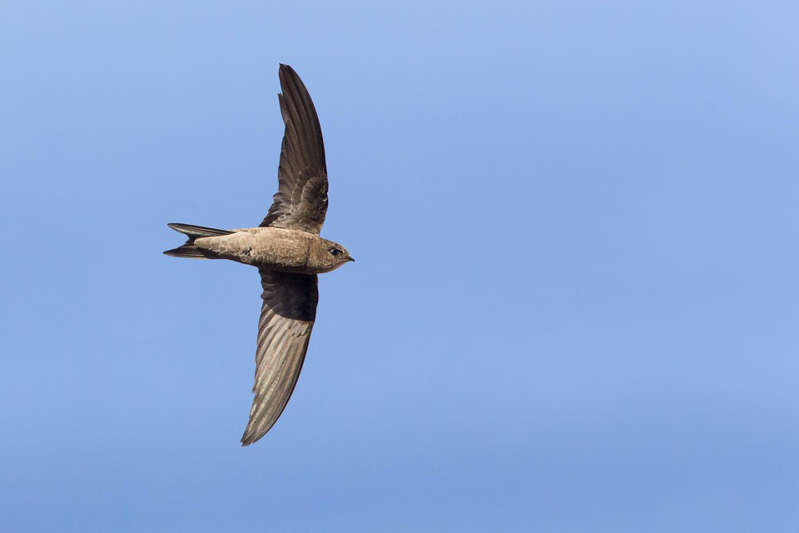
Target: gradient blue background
{"type": "Point", "coordinates": [575, 304]}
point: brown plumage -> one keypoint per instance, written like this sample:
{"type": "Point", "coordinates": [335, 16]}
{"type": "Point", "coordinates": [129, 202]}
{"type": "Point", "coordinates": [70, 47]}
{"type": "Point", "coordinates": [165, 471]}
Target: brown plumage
{"type": "Point", "coordinates": [288, 252]}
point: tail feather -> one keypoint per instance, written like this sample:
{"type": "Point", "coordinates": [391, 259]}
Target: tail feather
{"type": "Point", "coordinates": [194, 232]}
{"type": "Point", "coordinates": [197, 231]}
{"type": "Point", "coordinates": [188, 250]}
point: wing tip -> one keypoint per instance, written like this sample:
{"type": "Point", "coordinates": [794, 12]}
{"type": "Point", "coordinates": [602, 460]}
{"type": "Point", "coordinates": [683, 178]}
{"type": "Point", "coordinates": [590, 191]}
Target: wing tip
{"type": "Point", "coordinates": [285, 71]}
{"type": "Point", "coordinates": [251, 436]}
{"type": "Point", "coordinates": [247, 437]}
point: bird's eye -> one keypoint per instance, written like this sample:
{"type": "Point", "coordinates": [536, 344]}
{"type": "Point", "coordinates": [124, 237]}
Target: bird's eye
{"type": "Point", "coordinates": [335, 251]}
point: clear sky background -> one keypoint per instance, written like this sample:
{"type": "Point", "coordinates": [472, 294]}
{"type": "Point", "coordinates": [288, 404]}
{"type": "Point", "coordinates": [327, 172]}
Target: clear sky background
{"type": "Point", "coordinates": [575, 303]}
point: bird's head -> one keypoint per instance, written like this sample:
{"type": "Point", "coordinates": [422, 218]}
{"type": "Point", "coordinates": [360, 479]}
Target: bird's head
{"type": "Point", "coordinates": [331, 255]}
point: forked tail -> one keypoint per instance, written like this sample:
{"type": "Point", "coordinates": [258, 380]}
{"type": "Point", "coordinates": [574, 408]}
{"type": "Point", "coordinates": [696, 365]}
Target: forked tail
{"type": "Point", "coordinates": [194, 232]}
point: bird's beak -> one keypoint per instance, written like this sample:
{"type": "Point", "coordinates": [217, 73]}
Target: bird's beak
{"type": "Point", "coordinates": [351, 259]}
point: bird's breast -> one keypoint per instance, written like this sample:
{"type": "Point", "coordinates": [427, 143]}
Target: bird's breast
{"type": "Point", "coordinates": [274, 248]}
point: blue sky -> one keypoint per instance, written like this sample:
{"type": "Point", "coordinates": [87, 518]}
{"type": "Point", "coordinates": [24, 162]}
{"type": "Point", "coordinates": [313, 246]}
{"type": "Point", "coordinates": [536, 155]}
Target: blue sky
{"type": "Point", "coordinates": [575, 302]}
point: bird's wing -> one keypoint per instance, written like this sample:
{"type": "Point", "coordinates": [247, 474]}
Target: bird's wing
{"type": "Point", "coordinates": [287, 317]}
{"type": "Point", "coordinates": [301, 199]}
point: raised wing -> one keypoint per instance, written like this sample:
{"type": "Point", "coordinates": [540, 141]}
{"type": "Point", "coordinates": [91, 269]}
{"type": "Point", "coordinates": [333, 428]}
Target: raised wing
{"type": "Point", "coordinates": [287, 317]}
{"type": "Point", "coordinates": [301, 199]}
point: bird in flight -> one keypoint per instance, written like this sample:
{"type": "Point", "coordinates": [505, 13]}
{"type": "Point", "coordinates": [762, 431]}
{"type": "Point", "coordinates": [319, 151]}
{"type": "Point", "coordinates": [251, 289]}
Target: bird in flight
{"type": "Point", "coordinates": [288, 252]}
